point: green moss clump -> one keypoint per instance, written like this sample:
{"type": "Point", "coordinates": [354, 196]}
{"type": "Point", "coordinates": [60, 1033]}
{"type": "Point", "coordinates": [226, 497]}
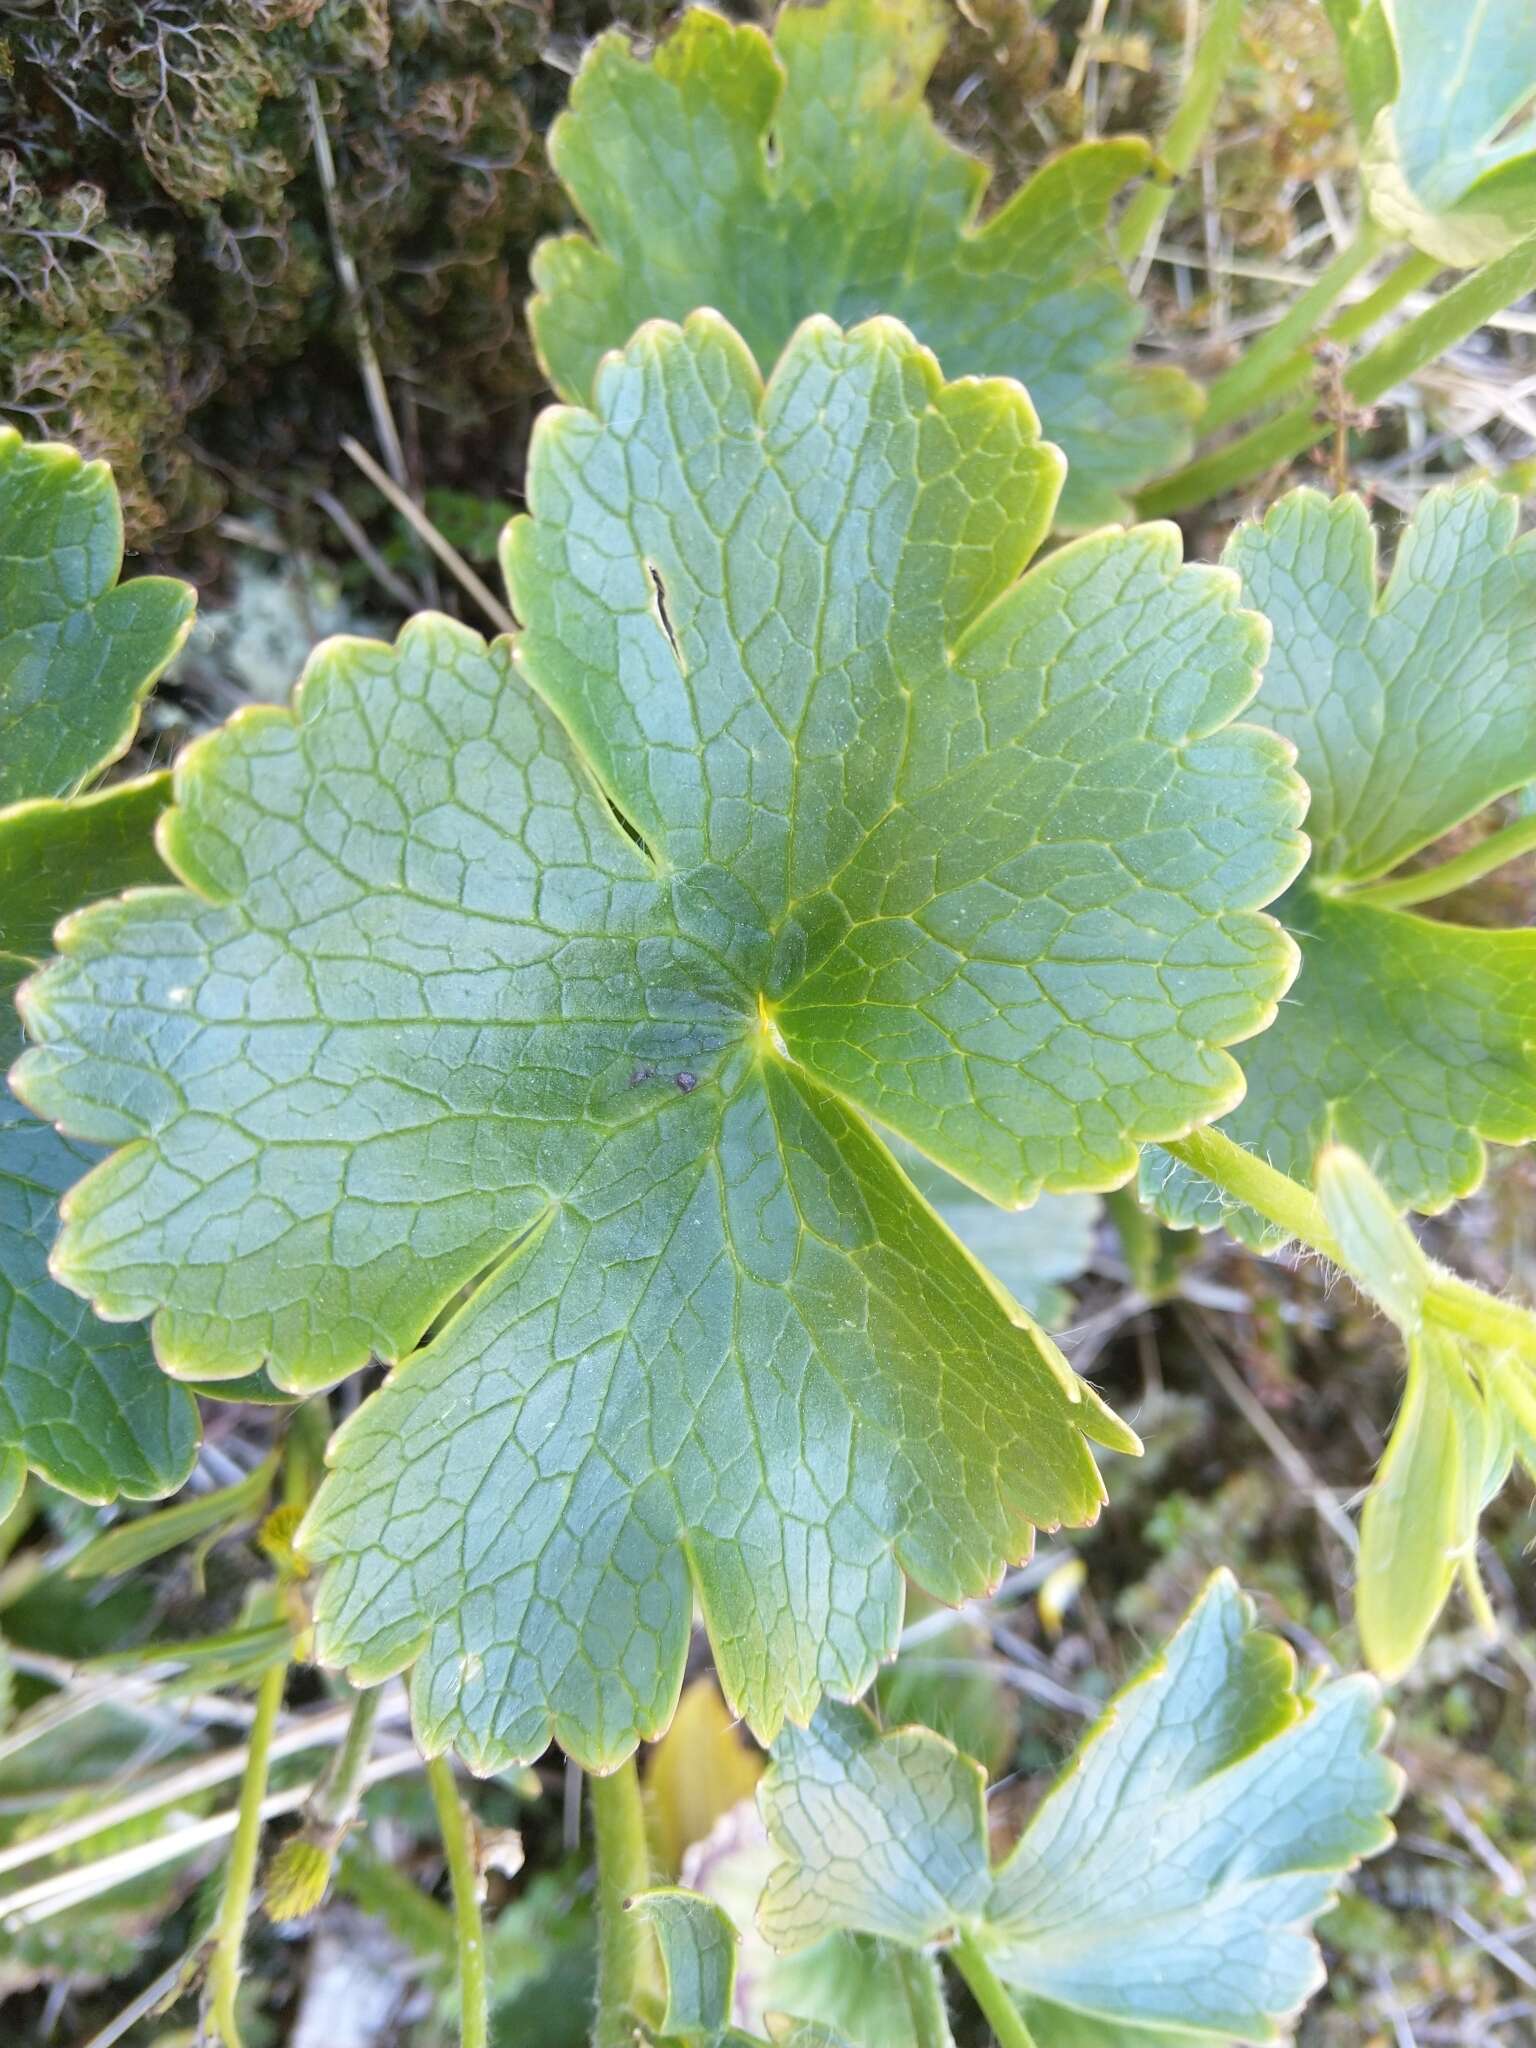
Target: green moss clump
{"type": "Point", "coordinates": [170, 296]}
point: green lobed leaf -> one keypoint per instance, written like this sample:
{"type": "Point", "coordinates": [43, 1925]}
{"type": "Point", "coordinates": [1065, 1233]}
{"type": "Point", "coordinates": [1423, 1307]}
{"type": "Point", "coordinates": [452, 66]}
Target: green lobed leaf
{"type": "Point", "coordinates": [829, 189]}
{"type": "Point", "coordinates": [56, 854]}
{"type": "Point", "coordinates": [1057, 2026]}
{"type": "Point", "coordinates": [1436, 89]}
{"type": "Point", "coordinates": [78, 650]}
{"type": "Point", "coordinates": [81, 1401]}
{"type": "Point", "coordinates": [1169, 1879]}
{"type": "Point", "coordinates": [428, 1030]}
{"type": "Point", "coordinates": [1406, 1038]}
{"type": "Point", "coordinates": [881, 1834]}
{"type": "Point", "coordinates": [870, 1994]}
{"type": "Point", "coordinates": [873, 1993]}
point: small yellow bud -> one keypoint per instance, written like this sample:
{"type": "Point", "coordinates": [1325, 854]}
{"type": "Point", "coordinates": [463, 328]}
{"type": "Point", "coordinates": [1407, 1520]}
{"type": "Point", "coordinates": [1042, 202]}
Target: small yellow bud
{"type": "Point", "coordinates": [297, 1878]}
{"type": "Point", "coordinates": [1057, 1594]}
{"type": "Point", "coordinates": [276, 1536]}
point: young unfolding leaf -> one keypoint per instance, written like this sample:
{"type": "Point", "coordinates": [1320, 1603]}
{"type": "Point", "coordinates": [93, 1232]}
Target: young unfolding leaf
{"type": "Point", "coordinates": [698, 1954]}
{"type": "Point", "coordinates": [77, 648]}
{"type": "Point", "coordinates": [1448, 1455]}
{"type": "Point", "coordinates": [1407, 1038]}
{"type": "Point", "coordinates": [13, 1477]}
{"type": "Point", "coordinates": [1435, 88]}
{"type": "Point", "coordinates": [1168, 1881]}
{"type": "Point", "coordinates": [976, 857]}
{"type": "Point", "coordinates": [1453, 1442]}
{"type": "Point", "coordinates": [776, 180]}
{"type": "Point", "coordinates": [131, 1544]}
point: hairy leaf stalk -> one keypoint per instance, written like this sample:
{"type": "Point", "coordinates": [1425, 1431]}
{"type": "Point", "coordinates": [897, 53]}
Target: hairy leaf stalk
{"type": "Point", "coordinates": [464, 1879]}
{"type": "Point", "coordinates": [624, 1951]}
{"type": "Point", "coordinates": [240, 1879]}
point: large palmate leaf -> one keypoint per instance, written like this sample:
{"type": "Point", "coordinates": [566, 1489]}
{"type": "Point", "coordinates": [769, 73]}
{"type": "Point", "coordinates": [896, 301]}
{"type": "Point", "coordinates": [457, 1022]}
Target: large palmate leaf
{"type": "Point", "coordinates": [775, 180]}
{"type": "Point", "coordinates": [77, 649]}
{"type": "Point", "coordinates": [1407, 1038]}
{"type": "Point", "coordinates": [81, 1401]}
{"type": "Point", "coordinates": [1435, 88]}
{"type": "Point", "coordinates": [1168, 1881]}
{"type": "Point", "coordinates": [907, 840]}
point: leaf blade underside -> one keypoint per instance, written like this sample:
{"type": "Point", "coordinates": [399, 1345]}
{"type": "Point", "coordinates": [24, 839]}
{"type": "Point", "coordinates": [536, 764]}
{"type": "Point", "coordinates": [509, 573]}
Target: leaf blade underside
{"type": "Point", "coordinates": [1168, 1881]}
{"type": "Point", "coordinates": [1438, 95]}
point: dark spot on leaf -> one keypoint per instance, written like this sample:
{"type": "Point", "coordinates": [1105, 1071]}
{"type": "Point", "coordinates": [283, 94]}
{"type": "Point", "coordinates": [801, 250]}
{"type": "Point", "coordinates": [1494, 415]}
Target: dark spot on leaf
{"type": "Point", "coordinates": [687, 1083]}
{"type": "Point", "coordinates": [662, 613]}
{"type": "Point", "coordinates": [642, 1074]}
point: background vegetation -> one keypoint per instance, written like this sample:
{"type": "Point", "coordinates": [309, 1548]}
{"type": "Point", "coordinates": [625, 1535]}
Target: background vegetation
{"type": "Point", "coordinates": [233, 234]}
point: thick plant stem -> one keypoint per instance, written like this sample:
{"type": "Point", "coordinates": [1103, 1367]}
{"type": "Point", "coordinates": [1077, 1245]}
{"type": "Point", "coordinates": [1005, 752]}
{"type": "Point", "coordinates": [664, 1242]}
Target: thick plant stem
{"type": "Point", "coordinates": [1451, 1302]}
{"type": "Point", "coordinates": [623, 1942]}
{"type": "Point", "coordinates": [1213, 51]}
{"type": "Point", "coordinates": [240, 1878]}
{"type": "Point", "coordinates": [457, 1830]}
{"type": "Point", "coordinates": [1002, 2015]}
{"type": "Point", "coordinates": [1453, 316]}
{"type": "Point", "coordinates": [1270, 367]}
{"type": "Point", "coordinates": [1403, 891]}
